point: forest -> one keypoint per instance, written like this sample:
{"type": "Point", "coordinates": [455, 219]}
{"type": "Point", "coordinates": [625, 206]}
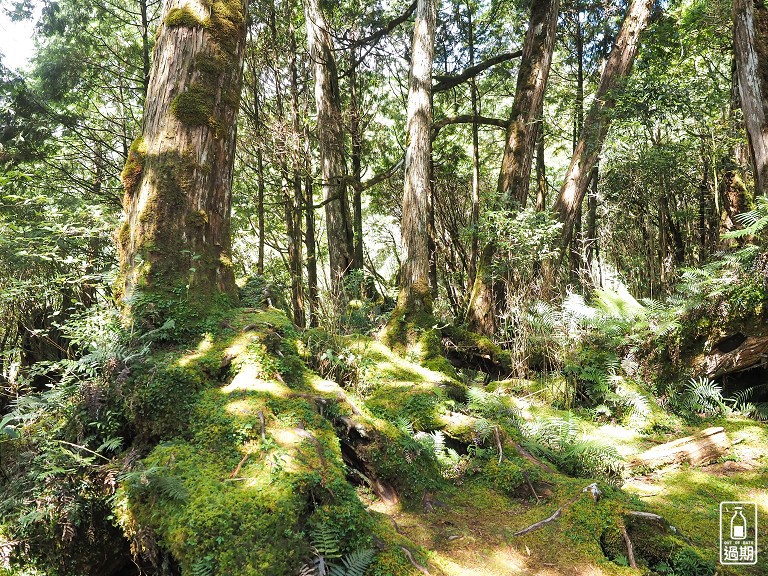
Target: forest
{"type": "Point", "coordinates": [387, 288]}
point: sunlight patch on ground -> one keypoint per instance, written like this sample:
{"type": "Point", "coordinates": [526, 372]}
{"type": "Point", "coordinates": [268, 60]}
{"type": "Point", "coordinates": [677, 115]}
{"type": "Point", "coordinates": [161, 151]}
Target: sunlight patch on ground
{"type": "Point", "coordinates": [248, 380]}
{"type": "Point", "coordinates": [205, 345]}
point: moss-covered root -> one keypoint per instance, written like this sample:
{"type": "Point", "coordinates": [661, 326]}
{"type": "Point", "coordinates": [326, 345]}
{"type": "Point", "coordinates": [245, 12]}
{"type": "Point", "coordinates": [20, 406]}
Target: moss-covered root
{"type": "Point", "coordinates": [420, 335]}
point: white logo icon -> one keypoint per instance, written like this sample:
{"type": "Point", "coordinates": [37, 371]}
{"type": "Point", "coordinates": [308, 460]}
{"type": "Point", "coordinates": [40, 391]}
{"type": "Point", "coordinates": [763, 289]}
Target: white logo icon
{"type": "Point", "coordinates": [738, 533]}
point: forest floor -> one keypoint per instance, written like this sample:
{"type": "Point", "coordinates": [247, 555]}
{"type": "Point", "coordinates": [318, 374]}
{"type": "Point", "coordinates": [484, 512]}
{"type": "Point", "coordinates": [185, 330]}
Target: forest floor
{"type": "Point", "coordinates": [472, 530]}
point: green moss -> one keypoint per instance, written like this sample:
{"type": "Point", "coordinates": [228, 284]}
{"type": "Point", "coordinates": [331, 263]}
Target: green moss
{"type": "Point", "coordinates": [183, 17]}
{"type": "Point", "coordinates": [197, 218]}
{"type": "Point", "coordinates": [190, 491]}
{"type": "Point", "coordinates": [194, 106]}
{"type": "Point", "coordinates": [134, 166]}
{"type": "Point", "coordinates": [421, 405]}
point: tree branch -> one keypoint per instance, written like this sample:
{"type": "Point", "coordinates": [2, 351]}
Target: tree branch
{"type": "Point", "coordinates": [467, 119]}
{"type": "Point", "coordinates": [447, 82]}
{"type": "Point", "coordinates": [381, 32]}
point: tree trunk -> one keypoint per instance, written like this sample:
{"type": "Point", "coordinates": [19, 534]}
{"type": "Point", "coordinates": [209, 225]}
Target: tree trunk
{"type": "Point", "coordinates": [356, 136]}
{"type": "Point", "coordinates": [294, 205]}
{"type": "Point", "coordinates": [330, 134]}
{"type": "Point", "coordinates": [750, 38]}
{"type": "Point", "coordinates": [591, 239]}
{"type": "Point", "coordinates": [541, 170]}
{"type": "Point", "coordinates": [259, 173]}
{"type": "Point", "coordinates": [415, 295]}
{"type": "Point", "coordinates": [515, 174]}
{"type": "Point", "coordinates": [475, 216]}
{"type": "Point", "coordinates": [178, 176]}
{"type": "Point", "coordinates": [309, 233]}
{"type": "Point", "coordinates": [595, 129]}
{"type": "Point", "coordinates": [145, 59]}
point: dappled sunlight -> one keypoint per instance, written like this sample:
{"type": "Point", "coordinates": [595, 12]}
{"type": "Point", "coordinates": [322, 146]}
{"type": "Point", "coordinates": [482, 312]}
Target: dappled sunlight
{"type": "Point", "coordinates": [322, 385]}
{"type": "Point", "coordinates": [204, 346]}
{"type": "Point", "coordinates": [248, 379]}
{"type": "Point", "coordinates": [241, 408]}
{"type": "Point", "coordinates": [388, 363]}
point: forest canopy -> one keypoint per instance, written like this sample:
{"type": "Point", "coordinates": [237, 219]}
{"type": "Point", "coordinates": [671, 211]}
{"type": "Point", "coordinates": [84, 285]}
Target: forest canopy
{"type": "Point", "coordinates": [434, 287]}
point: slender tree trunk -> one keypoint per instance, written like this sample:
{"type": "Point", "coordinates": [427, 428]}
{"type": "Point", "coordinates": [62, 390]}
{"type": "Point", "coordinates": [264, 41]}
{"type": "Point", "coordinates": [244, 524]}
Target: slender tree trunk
{"type": "Point", "coordinates": [591, 240]}
{"type": "Point", "coordinates": [145, 60]}
{"type": "Point", "coordinates": [178, 176]}
{"type": "Point", "coordinates": [330, 133]}
{"type": "Point", "coordinates": [595, 129]}
{"type": "Point", "coordinates": [515, 174]}
{"type": "Point", "coordinates": [541, 170]}
{"type": "Point", "coordinates": [309, 233]}
{"type": "Point", "coordinates": [357, 154]}
{"type": "Point", "coordinates": [750, 34]}
{"type": "Point", "coordinates": [259, 172]}
{"type": "Point", "coordinates": [415, 294]}
{"type": "Point", "coordinates": [475, 216]}
{"type": "Point", "coordinates": [295, 203]}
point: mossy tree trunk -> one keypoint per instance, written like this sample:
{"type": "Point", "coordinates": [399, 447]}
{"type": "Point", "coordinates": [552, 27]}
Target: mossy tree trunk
{"type": "Point", "coordinates": [595, 129]}
{"type": "Point", "coordinates": [522, 134]}
{"type": "Point", "coordinates": [750, 38]}
{"type": "Point", "coordinates": [415, 294]}
{"type": "Point", "coordinates": [330, 134]}
{"type": "Point", "coordinates": [175, 243]}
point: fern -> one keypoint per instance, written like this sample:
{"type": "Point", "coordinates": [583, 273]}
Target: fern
{"type": "Point", "coordinates": [483, 430]}
{"type": "Point", "coordinates": [354, 564]}
{"type": "Point", "coordinates": [325, 542]}
{"type": "Point", "coordinates": [743, 401]}
{"type": "Point", "coordinates": [753, 222]}
{"type": "Point", "coordinates": [203, 566]}
{"type": "Point", "coordinates": [153, 478]}
{"type": "Point", "coordinates": [702, 396]}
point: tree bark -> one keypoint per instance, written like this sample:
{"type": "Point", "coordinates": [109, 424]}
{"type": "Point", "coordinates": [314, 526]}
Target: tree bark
{"type": "Point", "coordinates": [515, 174]}
{"type": "Point", "coordinates": [595, 128]}
{"type": "Point", "coordinates": [475, 216]}
{"type": "Point", "coordinates": [178, 176]}
{"type": "Point", "coordinates": [750, 38]}
{"type": "Point", "coordinates": [356, 136]}
{"type": "Point", "coordinates": [309, 234]}
{"type": "Point", "coordinates": [294, 205]}
{"type": "Point", "coordinates": [330, 133]}
{"type": "Point", "coordinates": [415, 295]}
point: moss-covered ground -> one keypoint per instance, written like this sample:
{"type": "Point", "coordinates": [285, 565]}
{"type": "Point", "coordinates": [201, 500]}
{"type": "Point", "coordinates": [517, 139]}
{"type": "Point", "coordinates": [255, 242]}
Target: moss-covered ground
{"type": "Point", "coordinates": [243, 454]}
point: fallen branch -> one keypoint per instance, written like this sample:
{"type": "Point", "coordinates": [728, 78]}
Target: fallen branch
{"type": "Point", "coordinates": [630, 548]}
{"type": "Point", "coordinates": [540, 523]}
{"type": "Point", "coordinates": [416, 565]}
{"type": "Point", "coordinates": [498, 444]}
{"type": "Point", "coordinates": [236, 471]}
{"type": "Point", "coordinates": [533, 490]}
{"type": "Point", "coordinates": [592, 489]}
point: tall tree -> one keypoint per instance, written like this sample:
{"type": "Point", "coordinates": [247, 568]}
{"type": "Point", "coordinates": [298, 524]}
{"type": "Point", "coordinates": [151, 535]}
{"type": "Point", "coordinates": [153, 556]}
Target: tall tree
{"type": "Point", "coordinates": [415, 293]}
{"type": "Point", "coordinates": [522, 134]}
{"type": "Point", "coordinates": [330, 134]}
{"type": "Point", "coordinates": [750, 38]}
{"type": "Point", "coordinates": [595, 128]}
{"type": "Point", "coordinates": [178, 176]}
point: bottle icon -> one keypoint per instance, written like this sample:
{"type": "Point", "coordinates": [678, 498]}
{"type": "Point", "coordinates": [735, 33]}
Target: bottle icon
{"type": "Point", "coordinates": [738, 525]}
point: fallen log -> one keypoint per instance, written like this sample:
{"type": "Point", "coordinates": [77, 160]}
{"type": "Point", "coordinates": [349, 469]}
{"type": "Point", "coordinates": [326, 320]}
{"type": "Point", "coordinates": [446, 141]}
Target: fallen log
{"type": "Point", "coordinates": [727, 357]}
{"type": "Point", "coordinates": [701, 448]}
